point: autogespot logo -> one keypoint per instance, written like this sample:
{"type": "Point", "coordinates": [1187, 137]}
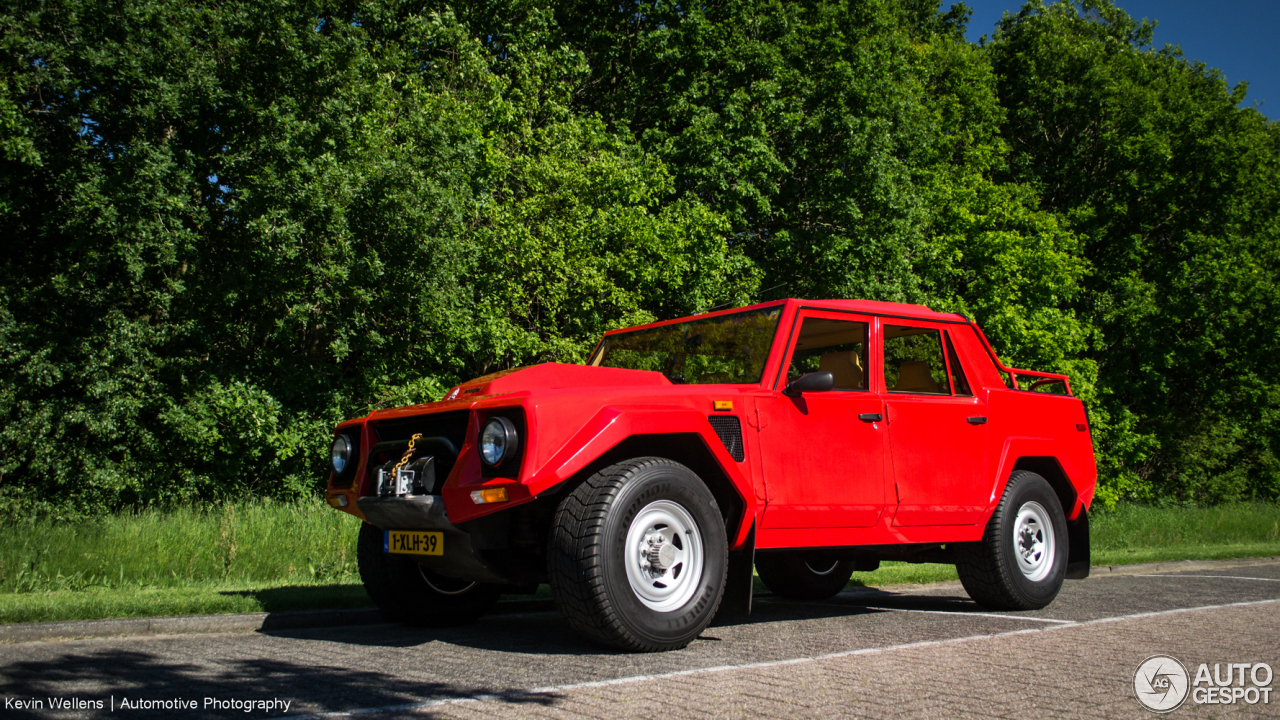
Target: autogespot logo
{"type": "Point", "coordinates": [1161, 683]}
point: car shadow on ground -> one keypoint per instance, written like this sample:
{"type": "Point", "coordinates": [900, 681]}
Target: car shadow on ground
{"type": "Point", "coordinates": [308, 597]}
{"type": "Point", "coordinates": [534, 626]}
{"type": "Point", "coordinates": [876, 597]}
{"type": "Point", "coordinates": [322, 687]}
{"type": "Point", "coordinates": [335, 596]}
{"type": "Point", "coordinates": [545, 632]}
{"type": "Point", "coordinates": [131, 675]}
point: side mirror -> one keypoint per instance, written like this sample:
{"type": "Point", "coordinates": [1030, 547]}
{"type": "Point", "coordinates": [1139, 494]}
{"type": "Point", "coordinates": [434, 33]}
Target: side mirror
{"type": "Point", "coordinates": [811, 382]}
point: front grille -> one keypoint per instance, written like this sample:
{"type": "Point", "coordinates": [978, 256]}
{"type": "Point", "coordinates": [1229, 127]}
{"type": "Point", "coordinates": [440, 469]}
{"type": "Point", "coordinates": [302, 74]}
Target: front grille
{"type": "Point", "coordinates": [438, 431]}
{"type": "Point", "coordinates": [450, 425]}
{"type": "Point", "coordinates": [729, 429]}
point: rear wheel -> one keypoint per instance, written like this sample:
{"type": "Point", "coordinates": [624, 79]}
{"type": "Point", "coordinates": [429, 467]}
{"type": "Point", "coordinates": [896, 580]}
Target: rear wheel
{"type": "Point", "coordinates": [412, 594]}
{"type": "Point", "coordinates": [638, 556]}
{"type": "Point", "coordinates": [801, 575]}
{"type": "Point", "coordinates": [1021, 561]}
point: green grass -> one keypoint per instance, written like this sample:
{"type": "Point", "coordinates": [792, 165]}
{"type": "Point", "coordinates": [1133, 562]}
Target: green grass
{"type": "Point", "coordinates": [1136, 534]}
{"type": "Point", "coordinates": [269, 542]}
{"type": "Point", "coordinates": [244, 557]}
{"type": "Point", "coordinates": [900, 573]}
{"type": "Point", "coordinates": [266, 556]}
{"type": "Point", "coordinates": [1140, 534]}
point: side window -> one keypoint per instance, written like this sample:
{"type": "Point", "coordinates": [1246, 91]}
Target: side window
{"type": "Point", "coordinates": [836, 346]}
{"type": "Point", "coordinates": [913, 361]}
{"type": "Point", "coordinates": [958, 380]}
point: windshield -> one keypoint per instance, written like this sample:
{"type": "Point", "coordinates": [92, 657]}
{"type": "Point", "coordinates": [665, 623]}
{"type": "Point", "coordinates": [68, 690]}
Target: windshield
{"type": "Point", "coordinates": [724, 349]}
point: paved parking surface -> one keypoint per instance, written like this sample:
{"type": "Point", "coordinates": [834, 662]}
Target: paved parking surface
{"type": "Point", "coordinates": [907, 652]}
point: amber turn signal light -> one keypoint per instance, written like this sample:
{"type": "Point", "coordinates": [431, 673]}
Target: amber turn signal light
{"type": "Point", "coordinates": [489, 495]}
{"type": "Point", "coordinates": [723, 404]}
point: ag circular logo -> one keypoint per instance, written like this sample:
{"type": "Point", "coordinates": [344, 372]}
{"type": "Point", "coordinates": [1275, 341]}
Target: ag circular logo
{"type": "Point", "coordinates": [1161, 683]}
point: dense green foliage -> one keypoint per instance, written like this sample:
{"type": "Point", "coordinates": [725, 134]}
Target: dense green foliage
{"type": "Point", "coordinates": [228, 226]}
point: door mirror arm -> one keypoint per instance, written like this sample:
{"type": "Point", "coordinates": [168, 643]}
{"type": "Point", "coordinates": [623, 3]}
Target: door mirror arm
{"type": "Point", "coordinates": [820, 381]}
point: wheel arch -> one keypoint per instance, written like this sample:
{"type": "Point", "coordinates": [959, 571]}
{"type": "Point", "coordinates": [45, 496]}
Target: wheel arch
{"type": "Point", "coordinates": [1077, 515]}
{"type": "Point", "coordinates": [688, 449]}
{"type": "Point", "coordinates": [1048, 467]}
{"type": "Point", "coordinates": [1046, 458]}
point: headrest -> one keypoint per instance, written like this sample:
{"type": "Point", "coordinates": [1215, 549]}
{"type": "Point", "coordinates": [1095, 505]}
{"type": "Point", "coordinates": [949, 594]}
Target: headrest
{"type": "Point", "coordinates": [845, 367]}
{"type": "Point", "coordinates": [914, 375]}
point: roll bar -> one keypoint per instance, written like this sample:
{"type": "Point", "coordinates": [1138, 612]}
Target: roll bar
{"type": "Point", "coordinates": [1043, 378]}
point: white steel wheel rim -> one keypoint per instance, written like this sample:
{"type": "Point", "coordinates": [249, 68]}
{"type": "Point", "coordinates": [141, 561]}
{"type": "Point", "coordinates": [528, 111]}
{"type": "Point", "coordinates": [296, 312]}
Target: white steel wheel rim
{"type": "Point", "coordinates": [664, 556]}
{"type": "Point", "coordinates": [830, 569]}
{"type": "Point", "coordinates": [465, 585]}
{"type": "Point", "coordinates": [1033, 542]}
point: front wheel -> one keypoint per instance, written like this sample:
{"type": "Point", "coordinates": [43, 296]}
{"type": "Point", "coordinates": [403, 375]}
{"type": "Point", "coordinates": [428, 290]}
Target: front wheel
{"type": "Point", "coordinates": [1021, 561]}
{"type": "Point", "coordinates": [410, 593]}
{"type": "Point", "coordinates": [638, 556]}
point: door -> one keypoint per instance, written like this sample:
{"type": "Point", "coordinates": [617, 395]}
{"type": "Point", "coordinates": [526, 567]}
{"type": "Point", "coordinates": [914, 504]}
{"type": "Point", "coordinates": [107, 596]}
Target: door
{"type": "Point", "coordinates": [937, 428]}
{"type": "Point", "coordinates": [823, 452]}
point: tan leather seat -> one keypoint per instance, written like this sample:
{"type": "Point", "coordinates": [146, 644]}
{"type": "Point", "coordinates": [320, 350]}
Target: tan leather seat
{"type": "Point", "coordinates": [913, 376]}
{"type": "Point", "coordinates": [846, 367]}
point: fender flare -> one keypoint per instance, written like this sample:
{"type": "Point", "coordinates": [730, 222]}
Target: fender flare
{"type": "Point", "coordinates": [1020, 448]}
{"type": "Point", "coordinates": [613, 425]}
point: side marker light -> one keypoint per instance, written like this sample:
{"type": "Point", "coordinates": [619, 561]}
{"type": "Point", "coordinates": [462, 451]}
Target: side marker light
{"type": "Point", "coordinates": [723, 404]}
{"type": "Point", "coordinates": [489, 495]}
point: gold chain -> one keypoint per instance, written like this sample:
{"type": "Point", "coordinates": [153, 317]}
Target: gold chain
{"type": "Point", "coordinates": [407, 454]}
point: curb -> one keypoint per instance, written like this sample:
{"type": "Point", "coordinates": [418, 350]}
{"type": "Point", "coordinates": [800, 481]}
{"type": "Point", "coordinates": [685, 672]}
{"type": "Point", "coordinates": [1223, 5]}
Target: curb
{"type": "Point", "coordinates": [303, 619]}
{"type": "Point", "coordinates": [240, 623]}
{"type": "Point", "coordinates": [187, 624]}
{"type": "Point", "coordinates": [1176, 566]}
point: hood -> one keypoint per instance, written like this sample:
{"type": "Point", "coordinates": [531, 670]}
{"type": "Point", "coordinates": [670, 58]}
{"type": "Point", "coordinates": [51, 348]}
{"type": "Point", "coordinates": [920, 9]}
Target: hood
{"type": "Point", "coordinates": [554, 376]}
{"type": "Point", "coordinates": [548, 376]}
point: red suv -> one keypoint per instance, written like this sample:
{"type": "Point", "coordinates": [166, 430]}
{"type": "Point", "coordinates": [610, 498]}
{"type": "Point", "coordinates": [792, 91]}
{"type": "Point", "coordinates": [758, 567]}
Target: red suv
{"type": "Point", "coordinates": [805, 438]}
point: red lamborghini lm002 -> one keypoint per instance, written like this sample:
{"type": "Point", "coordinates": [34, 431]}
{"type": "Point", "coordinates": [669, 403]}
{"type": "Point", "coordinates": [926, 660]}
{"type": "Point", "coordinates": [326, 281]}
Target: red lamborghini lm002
{"type": "Point", "coordinates": [807, 438]}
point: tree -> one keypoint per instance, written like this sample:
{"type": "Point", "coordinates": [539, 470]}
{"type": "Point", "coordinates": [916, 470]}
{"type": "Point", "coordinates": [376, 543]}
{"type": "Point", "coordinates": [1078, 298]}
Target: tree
{"type": "Point", "coordinates": [227, 227]}
{"type": "Point", "coordinates": [1174, 190]}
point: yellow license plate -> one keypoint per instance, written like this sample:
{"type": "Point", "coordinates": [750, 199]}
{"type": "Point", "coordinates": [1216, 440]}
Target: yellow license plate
{"type": "Point", "coordinates": [413, 542]}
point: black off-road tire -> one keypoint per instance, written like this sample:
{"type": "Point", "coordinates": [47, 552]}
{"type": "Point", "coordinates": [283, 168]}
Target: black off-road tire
{"type": "Point", "coordinates": [989, 569]}
{"type": "Point", "coordinates": [410, 593]}
{"type": "Point", "coordinates": [800, 575]}
{"type": "Point", "coordinates": [586, 556]}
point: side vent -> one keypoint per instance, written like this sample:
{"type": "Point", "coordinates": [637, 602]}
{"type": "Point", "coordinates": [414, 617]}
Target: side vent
{"type": "Point", "coordinates": [729, 428]}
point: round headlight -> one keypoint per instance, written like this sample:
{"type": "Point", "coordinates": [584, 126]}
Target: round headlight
{"type": "Point", "coordinates": [340, 454]}
{"type": "Point", "coordinates": [498, 441]}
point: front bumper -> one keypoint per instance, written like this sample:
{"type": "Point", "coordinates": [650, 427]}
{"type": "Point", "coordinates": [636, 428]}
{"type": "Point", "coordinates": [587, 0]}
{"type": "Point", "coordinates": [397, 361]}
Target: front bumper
{"type": "Point", "coordinates": [426, 512]}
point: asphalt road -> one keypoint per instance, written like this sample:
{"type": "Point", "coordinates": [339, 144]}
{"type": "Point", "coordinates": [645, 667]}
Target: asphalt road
{"type": "Point", "coordinates": [904, 652]}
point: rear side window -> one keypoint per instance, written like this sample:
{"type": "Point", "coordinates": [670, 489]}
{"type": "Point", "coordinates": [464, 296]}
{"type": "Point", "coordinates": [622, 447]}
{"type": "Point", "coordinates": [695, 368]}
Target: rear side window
{"type": "Point", "coordinates": [914, 361]}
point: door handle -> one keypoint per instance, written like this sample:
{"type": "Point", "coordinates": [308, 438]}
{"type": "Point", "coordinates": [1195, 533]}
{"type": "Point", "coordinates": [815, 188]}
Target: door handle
{"type": "Point", "coordinates": [976, 420]}
{"type": "Point", "coordinates": [871, 417]}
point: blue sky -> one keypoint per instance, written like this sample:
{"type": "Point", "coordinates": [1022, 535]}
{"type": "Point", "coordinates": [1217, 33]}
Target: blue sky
{"type": "Point", "coordinates": [1239, 37]}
